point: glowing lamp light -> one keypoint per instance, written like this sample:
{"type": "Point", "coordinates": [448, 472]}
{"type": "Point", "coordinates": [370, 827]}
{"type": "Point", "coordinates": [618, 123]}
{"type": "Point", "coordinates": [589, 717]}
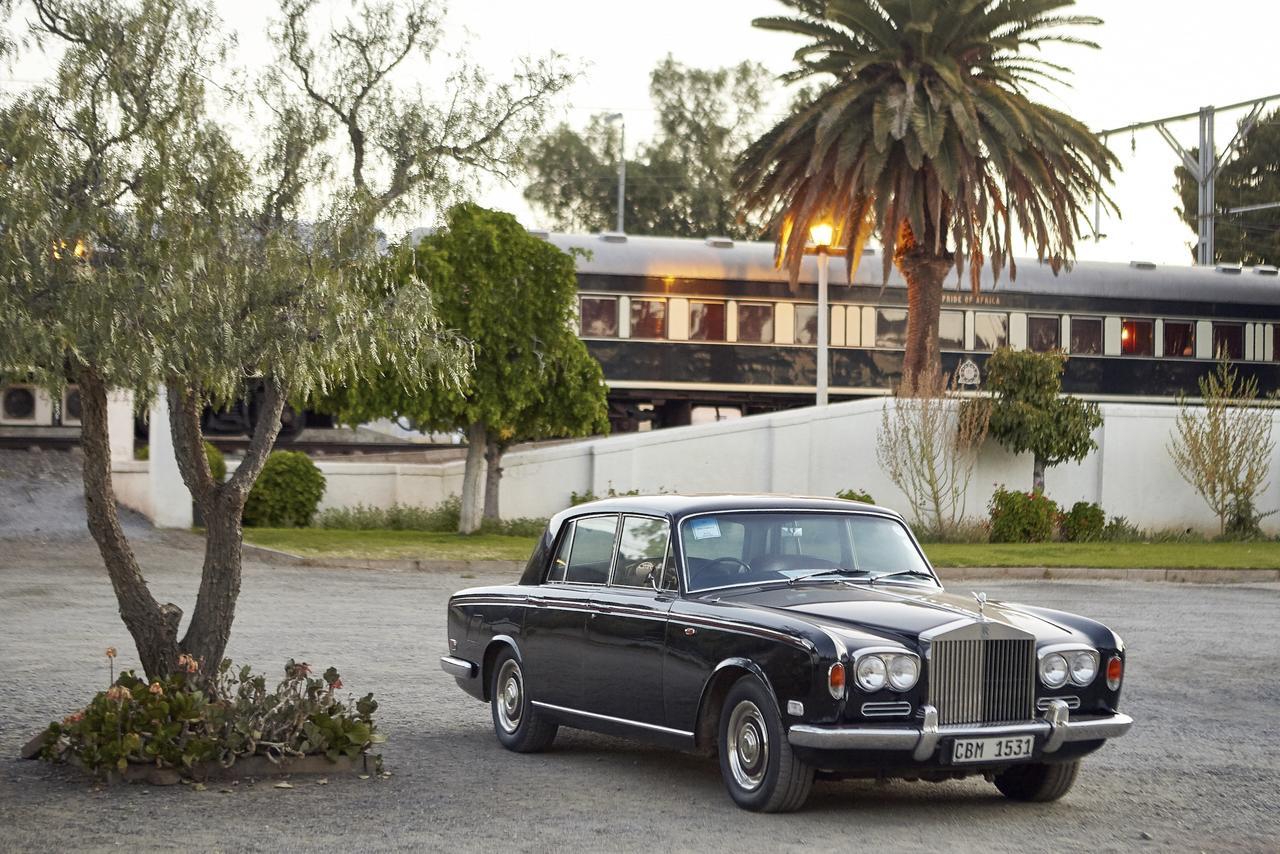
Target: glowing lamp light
{"type": "Point", "coordinates": [822, 234]}
{"type": "Point", "coordinates": [1125, 333]}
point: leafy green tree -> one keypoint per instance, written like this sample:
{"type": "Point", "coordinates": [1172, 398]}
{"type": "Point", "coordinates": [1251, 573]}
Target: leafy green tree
{"type": "Point", "coordinates": [1029, 414]}
{"type": "Point", "coordinates": [680, 183]}
{"type": "Point", "coordinates": [923, 130]}
{"type": "Point", "coordinates": [1252, 177]}
{"type": "Point", "coordinates": [143, 249]}
{"type": "Point", "coordinates": [512, 296]}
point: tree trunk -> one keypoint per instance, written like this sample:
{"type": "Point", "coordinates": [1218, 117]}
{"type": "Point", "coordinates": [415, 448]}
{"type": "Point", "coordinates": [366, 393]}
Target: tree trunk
{"type": "Point", "coordinates": [472, 479]}
{"type": "Point", "coordinates": [1037, 475]}
{"type": "Point", "coordinates": [154, 627]}
{"type": "Point", "coordinates": [222, 506]}
{"type": "Point", "coordinates": [925, 272]}
{"type": "Point", "coordinates": [493, 451]}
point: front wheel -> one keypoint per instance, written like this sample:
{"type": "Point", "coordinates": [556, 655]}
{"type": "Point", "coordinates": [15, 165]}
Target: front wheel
{"type": "Point", "coordinates": [516, 721]}
{"type": "Point", "coordinates": [759, 769]}
{"type": "Point", "coordinates": [1039, 782]}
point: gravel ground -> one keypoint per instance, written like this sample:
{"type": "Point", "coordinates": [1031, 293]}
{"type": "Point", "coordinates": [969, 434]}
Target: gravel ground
{"type": "Point", "coordinates": [1200, 771]}
{"type": "Point", "coordinates": [42, 497]}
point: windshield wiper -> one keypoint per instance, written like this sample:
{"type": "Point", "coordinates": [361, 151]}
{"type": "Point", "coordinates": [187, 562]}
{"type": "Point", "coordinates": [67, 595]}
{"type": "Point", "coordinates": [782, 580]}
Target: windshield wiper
{"type": "Point", "coordinates": [914, 572]}
{"type": "Point", "coordinates": [818, 572]}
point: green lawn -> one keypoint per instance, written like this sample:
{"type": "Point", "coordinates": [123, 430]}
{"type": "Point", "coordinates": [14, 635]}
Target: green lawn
{"type": "Point", "coordinates": [1263, 555]}
{"type": "Point", "coordinates": [316, 542]}
{"type": "Point", "coordinates": [424, 545]}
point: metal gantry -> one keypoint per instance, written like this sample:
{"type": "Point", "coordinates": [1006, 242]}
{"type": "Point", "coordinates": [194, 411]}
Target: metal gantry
{"type": "Point", "coordinates": [1205, 166]}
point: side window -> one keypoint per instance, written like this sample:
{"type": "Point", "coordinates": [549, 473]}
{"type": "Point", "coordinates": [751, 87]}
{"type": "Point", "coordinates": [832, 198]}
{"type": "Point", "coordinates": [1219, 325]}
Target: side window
{"type": "Point", "coordinates": [561, 559]}
{"type": "Point", "coordinates": [1043, 333]}
{"type": "Point", "coordinates": [891, 327]}
{"type": "Point", "coordinates": [990, 331]}
{"type": "Point", "coordinates": [592, 550]}
{"type": "Point", "coordinates": [806, 324]}
{"type": "Point", "coordinates": [1086, 336]}
{"type": "Point", "coordinates": [642, 551]}
{"type": "Point", "coordinates": [599, 316]}
{"type": "Point", "coordinates": [951, 330]}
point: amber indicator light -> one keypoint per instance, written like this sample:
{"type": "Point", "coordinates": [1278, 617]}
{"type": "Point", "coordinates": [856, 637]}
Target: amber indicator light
{"type": "Point", "coordinates": [1115, 670]}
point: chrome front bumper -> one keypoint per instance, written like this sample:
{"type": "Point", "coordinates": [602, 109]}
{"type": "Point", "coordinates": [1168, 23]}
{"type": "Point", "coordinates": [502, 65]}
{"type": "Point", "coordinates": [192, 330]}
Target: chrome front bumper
{"type": "Point", "coordinates": [1054, 729]}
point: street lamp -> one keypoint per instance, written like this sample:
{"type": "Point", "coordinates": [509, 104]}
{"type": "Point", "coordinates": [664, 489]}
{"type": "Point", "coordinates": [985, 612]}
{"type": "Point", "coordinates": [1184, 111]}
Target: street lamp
{"type": "Point", "coordinates": [820, 237]}
{"type": "Point", "coordinates": [622, 162]}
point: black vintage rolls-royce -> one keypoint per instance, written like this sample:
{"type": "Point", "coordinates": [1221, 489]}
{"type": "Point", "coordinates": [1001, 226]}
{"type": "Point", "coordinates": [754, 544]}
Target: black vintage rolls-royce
{"type": "Point", "coordinates": [788, 636]}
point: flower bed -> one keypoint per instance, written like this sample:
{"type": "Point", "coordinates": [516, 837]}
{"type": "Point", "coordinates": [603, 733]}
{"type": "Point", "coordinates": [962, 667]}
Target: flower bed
{"type": "Point", "coordinates": [200, 728]}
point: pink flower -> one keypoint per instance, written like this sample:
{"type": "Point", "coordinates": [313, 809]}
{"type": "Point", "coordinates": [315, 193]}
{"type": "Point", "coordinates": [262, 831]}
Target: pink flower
{"type": "Point", "coordinates": [337, 685]}
{"type": "Point", "coordinates": [187, 663]}
{"type": "Point", "coordinates": [73, 718]}
{"type": "Point", "coordinates": [118, 693]}
{"type": "Point", "coordinates": [157, 689]}
{"type": "Point", "coordinates": [111, 652]}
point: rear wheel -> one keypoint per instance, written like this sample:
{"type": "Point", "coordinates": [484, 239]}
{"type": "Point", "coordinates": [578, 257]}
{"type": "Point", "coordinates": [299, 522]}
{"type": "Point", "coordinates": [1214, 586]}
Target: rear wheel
{"type": "Point", "coordinates": [759, 769]}
{"type": "Point", "coordinates": [1037, 783]}
{"type": "Point", "coordinates": [519, 725]}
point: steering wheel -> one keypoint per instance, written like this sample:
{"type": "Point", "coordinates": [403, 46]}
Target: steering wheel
{"type": "Point", "coordinates": [744, 568]}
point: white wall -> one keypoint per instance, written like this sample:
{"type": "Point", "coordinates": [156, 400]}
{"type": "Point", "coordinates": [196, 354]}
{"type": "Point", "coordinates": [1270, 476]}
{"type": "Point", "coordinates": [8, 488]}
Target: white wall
{"type": "Point", "coordinates": [807, 451]}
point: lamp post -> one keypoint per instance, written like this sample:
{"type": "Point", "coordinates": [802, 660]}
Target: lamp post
{"type": "Point", "coordinates": [820, 243]}
{"type": "Point", "coordinates": [622, 162]}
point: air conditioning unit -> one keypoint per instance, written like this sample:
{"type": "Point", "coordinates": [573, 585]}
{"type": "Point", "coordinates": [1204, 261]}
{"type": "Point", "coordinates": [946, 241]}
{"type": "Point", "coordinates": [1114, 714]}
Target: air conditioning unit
{"type": "Point", "coordinates": [71, 406]}
{"type": "Point", "coordinates": [25, 405]}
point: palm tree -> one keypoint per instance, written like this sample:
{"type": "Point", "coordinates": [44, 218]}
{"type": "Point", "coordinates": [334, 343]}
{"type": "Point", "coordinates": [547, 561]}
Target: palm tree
{"type": "Point", "coordinates": [922, 129]}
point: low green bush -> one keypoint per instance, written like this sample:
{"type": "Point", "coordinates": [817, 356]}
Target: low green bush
{"type": "Point", "coordinates": [1022, 517]}
{"type": "Point", "coordinates": [1121, 530]}
{"type": "Point", "coordinates": [217, 463]}
{"type": "Point", "coordinates": [966, 531]}
{"type": "Point", "coordinates": [576, 498]}
{"type": "Point", "coordinates": [175, 722]}
{"type": "Point", "coordinates": [519, 527]}
{"type": "Point", "coordinates": [856, 495]}
{"type": "Point", "coordinates": [1083, 523]}
{"type": "Point", "coordinates": [398, 517]}
{"type": "Point", "coordinates": [287, 492]}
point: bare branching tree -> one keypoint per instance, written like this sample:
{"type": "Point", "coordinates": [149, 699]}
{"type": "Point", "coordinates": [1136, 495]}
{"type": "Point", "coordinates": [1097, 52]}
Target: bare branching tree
{"type": "Point", "coordinates": [1223, 448]}
{"type": "Point", "coordinates": [928, 444]}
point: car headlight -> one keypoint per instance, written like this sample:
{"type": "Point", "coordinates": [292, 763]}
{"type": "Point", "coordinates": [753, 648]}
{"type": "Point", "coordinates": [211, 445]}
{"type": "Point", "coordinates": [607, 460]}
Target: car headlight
{"type": "Point", "coordinates": [904, 670]}
{"type": "Point", "coordinates": [1084, 666]}
{"type": "Point", "coordinates": [871, 673]}
{"type": "Point", "coordinates": [1053, 670]}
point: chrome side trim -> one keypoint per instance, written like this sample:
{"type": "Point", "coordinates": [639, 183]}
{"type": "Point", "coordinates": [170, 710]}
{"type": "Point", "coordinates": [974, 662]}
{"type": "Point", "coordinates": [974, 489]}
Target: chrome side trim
{"type": "Point", "coordinates": [741, 628]}
{"type": "Point", "coordinates": [611, 719]}
{"type": "Point", "coordinates": [459, 667]}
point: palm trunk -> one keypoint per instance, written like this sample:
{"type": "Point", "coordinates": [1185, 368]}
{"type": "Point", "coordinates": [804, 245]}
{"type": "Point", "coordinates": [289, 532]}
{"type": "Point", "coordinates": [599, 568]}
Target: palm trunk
{"type": "Point", "coordinates": [472, 479]}
{"type": "Point", "coordinates": [493, 450]}
{"type": "Point", "coordinates": [222, 506]}
{"type": "Point", "coordinates": [154, 627]}
{"type": "Point", "coordinates": [925, 271]}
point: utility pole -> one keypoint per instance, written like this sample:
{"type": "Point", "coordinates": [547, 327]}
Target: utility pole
{"type": "Point", "coordinates": [622, 164]}
{"type": "Point", "coordinates": [1204, 167]}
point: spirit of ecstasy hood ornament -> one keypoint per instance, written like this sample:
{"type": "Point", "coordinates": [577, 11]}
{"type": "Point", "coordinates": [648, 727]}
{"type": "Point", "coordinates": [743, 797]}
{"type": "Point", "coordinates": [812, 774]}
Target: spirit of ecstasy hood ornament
{"type": "Point", "coordinates": [982, 604]}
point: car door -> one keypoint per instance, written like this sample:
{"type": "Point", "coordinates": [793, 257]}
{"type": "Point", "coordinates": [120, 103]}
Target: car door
{"type": "Point", "coordinates": [626, 629]}
{"type": "Point", "coordinates": [554, 636]}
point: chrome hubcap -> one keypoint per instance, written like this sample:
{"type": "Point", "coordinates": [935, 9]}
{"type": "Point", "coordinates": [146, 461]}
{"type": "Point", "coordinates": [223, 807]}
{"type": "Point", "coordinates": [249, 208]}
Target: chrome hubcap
{"type": "Point", "coordinates": [509, 698]}
{"type": "Point", "coordinates": [748, 747]}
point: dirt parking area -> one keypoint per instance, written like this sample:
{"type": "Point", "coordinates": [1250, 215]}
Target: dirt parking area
{"type": "Point", "coordinates": [1199, 772]}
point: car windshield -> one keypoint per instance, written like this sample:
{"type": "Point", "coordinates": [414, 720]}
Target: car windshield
{"type": "Point", "coordinates": [727, 548]}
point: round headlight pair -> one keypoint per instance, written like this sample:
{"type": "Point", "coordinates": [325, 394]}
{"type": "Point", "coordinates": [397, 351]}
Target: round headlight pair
{"type": "Point", "coordinates": [897, 671]}
{"type": "Point", "coordinates": [1078, 666]}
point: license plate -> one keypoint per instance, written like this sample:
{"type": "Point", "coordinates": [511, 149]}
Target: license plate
{"type": "Point", "coordinates": [992, 749]}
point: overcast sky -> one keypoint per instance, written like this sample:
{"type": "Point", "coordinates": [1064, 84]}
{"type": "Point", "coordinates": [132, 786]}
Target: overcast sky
{"type": "Point", "coordinates": [1157, 58]}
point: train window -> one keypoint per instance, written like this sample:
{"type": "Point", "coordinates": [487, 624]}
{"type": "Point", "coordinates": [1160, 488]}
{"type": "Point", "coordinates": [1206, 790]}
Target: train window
{"type": "Point", "coordinates": [806, 324]}
{"type": "Point", "coordinates": [648, 318]}
{"type": "Point", "coordinates": [599, 316]}
{"type": "Point", "coordinates": [706, 321]}
{"type": "Point", "coordinates": [1043, 333]}
{"type": "Point", "coordinates": [1086, 336]}
{"type": "Point", "coordinates": [951, 330]}
{"type": "Point", "coordinates": [1179, 338]}
{"type": "Point", "coordinates": [990, 331]}
{"type": "Point", "coordinates": [1137, 338]}
{"type": "Point", "coordinates": [891, 327]}
{"type": "Point", "coordinates": [1228, 340]}
{"type": "Point", "coordinates": [755, 322]}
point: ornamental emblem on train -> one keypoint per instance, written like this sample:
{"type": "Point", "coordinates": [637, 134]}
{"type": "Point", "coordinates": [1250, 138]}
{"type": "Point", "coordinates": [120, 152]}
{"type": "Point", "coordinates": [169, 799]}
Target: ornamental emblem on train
{"type": "Point", "coordinates": [968, 374]}
{"type": "Point", "coordinates": [982, 605]}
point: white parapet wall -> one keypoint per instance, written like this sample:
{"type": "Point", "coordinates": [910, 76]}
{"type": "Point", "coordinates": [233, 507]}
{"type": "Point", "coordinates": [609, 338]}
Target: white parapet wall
{"type": "Point", "coordinates": [803, 451]}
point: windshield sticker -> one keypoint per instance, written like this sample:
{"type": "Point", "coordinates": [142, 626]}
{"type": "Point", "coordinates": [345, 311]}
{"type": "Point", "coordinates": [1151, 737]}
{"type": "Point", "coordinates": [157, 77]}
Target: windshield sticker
{"type": "Point", "coordinates": [705, 529]}
{"type": "Point", "coordinates": [792, 531]}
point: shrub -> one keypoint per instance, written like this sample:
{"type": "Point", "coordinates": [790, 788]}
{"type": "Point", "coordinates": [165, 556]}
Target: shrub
{"type": "Point", "coordinates": [217, 463]}
{"type": "Point", "coordinates": [1083, 523]}
{"type": "Point", "coordinates": [964, 531]}
{"type": "Point", "coordinates": [398, 517]}
{"type": "Point", "coordinates": [1022, 517]}
{"type": "Point", "coordinates": [287, 492]}
{"type": "Point", "coordinates": [1121, 530]}
{"type": "Point", "coordinates": [576, 498]}
{"type": "Point", "coordinates": [521, 527]}
{"type": "Point", "coordinates": [175, 723]}
{"type": "Point", "coordinates": [856, 495]}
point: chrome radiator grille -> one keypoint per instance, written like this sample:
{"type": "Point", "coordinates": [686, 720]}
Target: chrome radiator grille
{"type": "Point", "coordinates": [982, 681]}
